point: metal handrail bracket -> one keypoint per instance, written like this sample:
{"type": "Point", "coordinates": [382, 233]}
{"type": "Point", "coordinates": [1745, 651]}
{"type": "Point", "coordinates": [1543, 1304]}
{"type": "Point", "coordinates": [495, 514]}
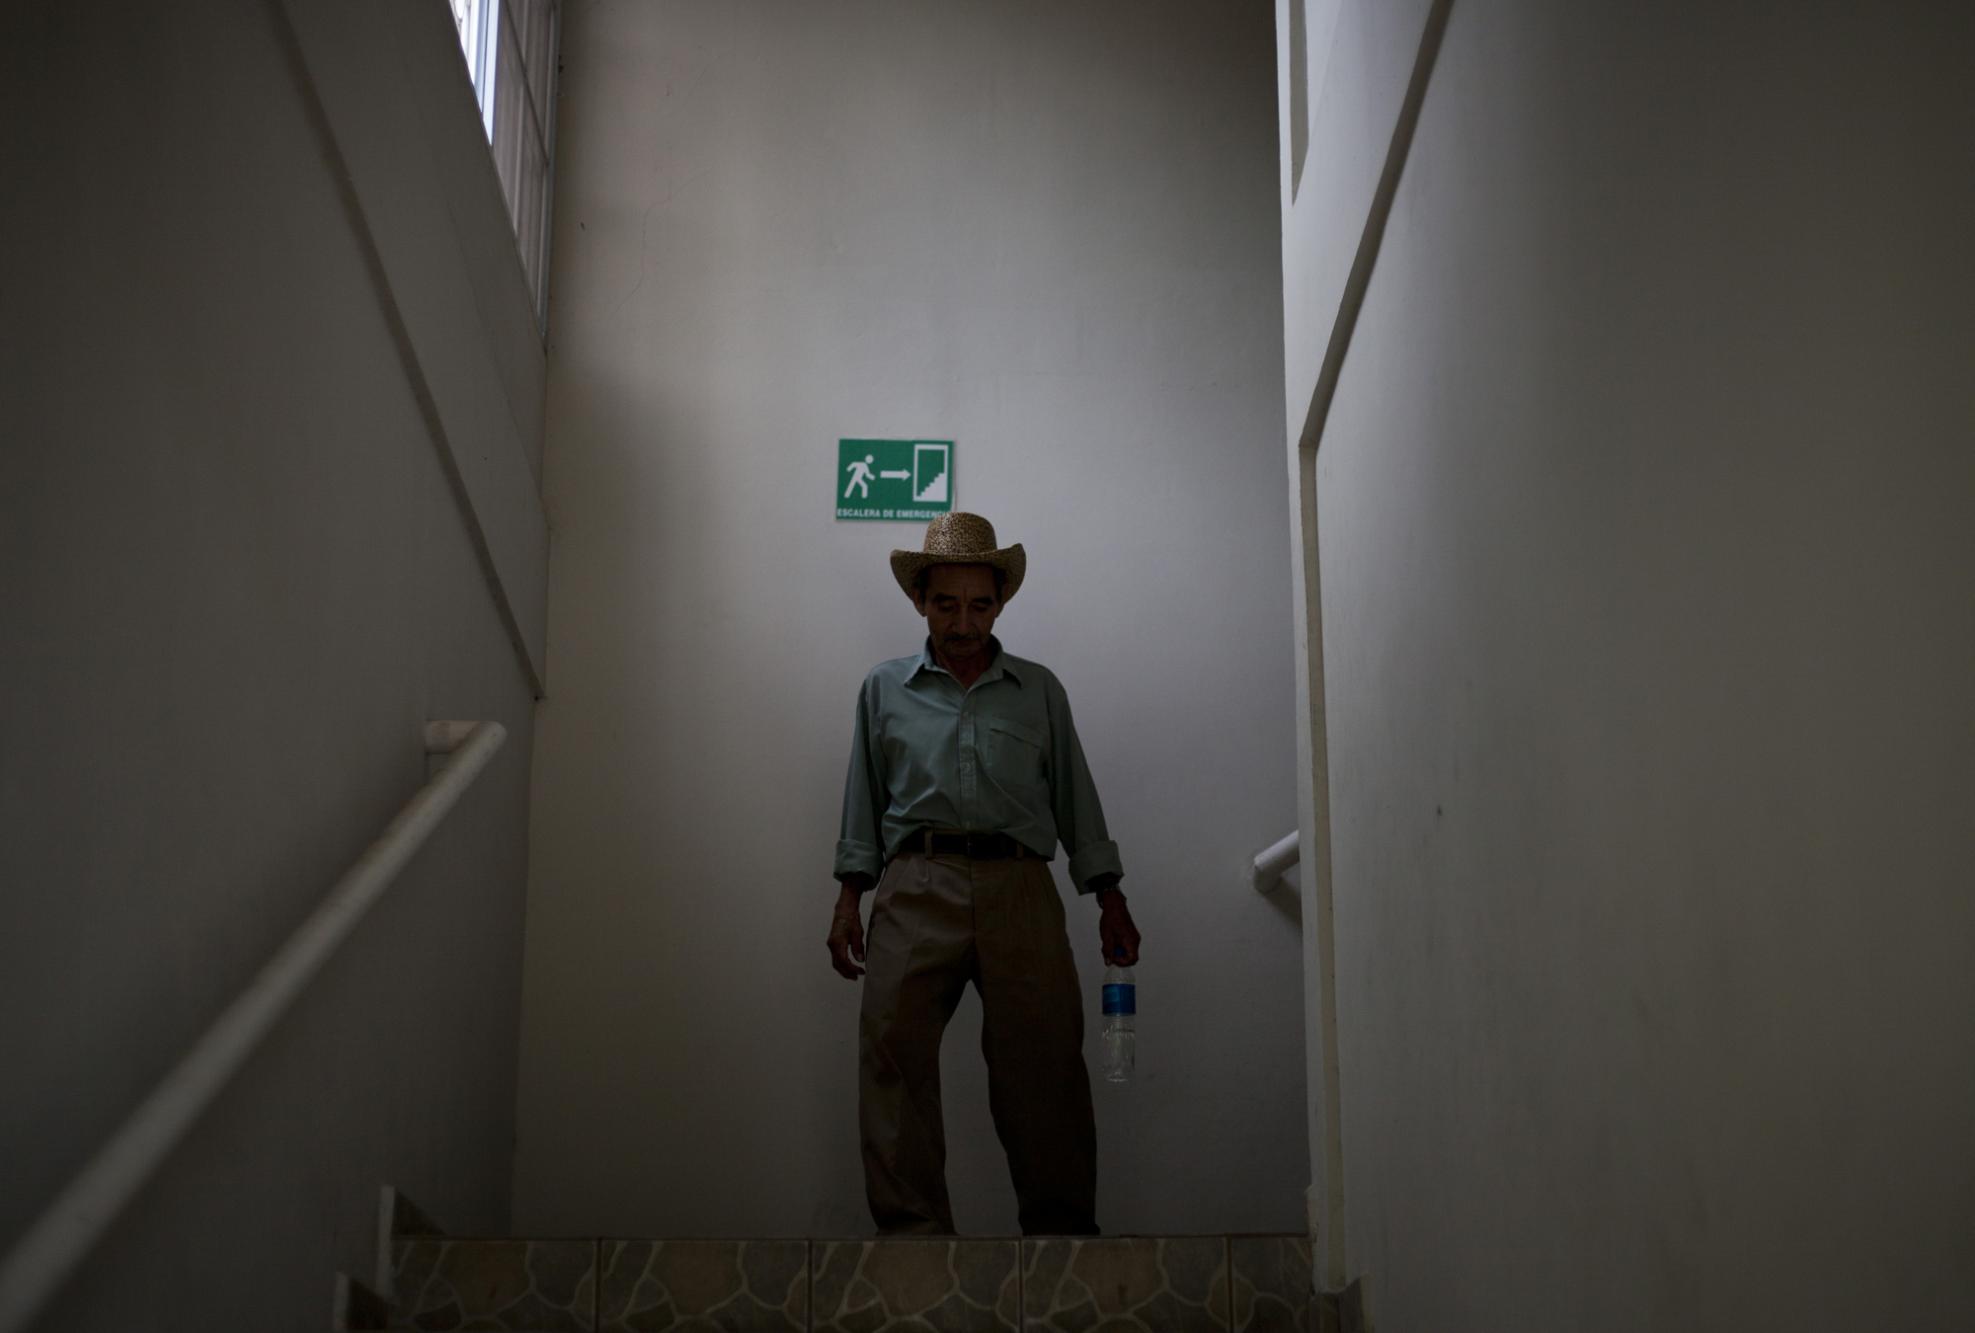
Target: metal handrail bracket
{"type": "Point", "coordinates": [52, 1249]}
{"type": "Point", "coordinates": [1267, 869]}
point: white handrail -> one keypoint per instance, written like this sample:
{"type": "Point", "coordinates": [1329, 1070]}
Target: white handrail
{"type": "Point", "coordinates": [57, 1243]}
{"type": "Point", "coordinates": [1265, 872]}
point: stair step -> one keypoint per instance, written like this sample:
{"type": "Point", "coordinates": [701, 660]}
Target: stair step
{"type": "Point", "coordinates": [1160, 1284]}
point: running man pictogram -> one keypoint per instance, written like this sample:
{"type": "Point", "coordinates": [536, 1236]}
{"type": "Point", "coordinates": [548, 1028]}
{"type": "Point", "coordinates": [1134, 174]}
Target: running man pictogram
{"type": "Point", "coordinates": [860, 475]}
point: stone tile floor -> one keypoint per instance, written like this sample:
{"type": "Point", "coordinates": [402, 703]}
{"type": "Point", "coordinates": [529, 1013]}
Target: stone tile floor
{"type": "Point", "coordinates": [1166, 1284]}
{"type": "Point", "coordinates": [1271, 1284]}
{"type": "Point", "coordinates": [949, 1285]}
{"type": "Point", "coordinates": [688, 1284]}
{"type": "Point", "coordinates": [543, 1286]}
{"type": "Point", "coordinates": [1177, 1283]}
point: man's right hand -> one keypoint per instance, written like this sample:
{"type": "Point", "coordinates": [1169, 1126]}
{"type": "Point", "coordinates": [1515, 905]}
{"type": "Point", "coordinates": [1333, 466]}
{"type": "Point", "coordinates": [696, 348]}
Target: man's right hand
{"type": "Point", "coordinates": [847, 934]}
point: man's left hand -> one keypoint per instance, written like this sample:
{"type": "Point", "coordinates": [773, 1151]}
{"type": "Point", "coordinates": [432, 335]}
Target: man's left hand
{"type": "Point", "coordinates": [1115, 929]}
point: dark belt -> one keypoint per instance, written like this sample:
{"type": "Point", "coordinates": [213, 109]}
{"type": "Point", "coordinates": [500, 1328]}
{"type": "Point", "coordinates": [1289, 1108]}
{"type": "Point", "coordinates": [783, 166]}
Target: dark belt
{"type": "Point", "coordinates": [980, 846]}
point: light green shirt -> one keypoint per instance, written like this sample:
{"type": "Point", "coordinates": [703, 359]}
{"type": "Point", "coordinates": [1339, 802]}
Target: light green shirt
{"type": "Point", "coordinates": [999, 757]}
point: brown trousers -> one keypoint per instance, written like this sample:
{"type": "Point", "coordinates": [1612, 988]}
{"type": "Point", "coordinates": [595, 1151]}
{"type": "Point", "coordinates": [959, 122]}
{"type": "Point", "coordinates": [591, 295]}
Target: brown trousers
{"type": "Point", "coordinates": [937, 923]}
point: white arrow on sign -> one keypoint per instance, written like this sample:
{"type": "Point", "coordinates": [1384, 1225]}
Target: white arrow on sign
{"type": "Point", "coordinates": [896, 476]}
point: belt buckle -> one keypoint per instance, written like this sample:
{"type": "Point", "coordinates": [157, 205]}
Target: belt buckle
{"type": "Point", "coordinates": [980, 846]}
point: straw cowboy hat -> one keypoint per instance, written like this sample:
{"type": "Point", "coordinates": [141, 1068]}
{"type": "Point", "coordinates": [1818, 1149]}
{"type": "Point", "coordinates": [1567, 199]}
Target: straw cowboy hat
{"type": "Point", "coordinates": [961, 539]}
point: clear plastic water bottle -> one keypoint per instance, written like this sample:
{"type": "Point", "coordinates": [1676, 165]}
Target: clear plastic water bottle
{"type": "Point", "coordinates": [1120, 1009]}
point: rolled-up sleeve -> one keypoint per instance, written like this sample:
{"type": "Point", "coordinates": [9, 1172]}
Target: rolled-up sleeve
{"type": "Point", "coordinates": [1073, 799]}
{"type": "Point", "coordinates": [860, 838]}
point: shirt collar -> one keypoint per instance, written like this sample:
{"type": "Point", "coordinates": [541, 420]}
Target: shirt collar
{"type": "Point", "coordinates": [1002, 665]}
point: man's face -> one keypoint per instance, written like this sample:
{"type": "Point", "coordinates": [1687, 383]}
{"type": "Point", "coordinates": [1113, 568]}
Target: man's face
{"type": "Point", "coordinates": [959, 605]}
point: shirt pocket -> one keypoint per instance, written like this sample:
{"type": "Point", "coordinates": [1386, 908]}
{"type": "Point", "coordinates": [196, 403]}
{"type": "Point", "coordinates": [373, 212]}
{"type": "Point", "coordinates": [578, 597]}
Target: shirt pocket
{"type": "Point", "coordinates": [1017, 754]}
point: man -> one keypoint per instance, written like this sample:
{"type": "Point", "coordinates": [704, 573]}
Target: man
{"type": "Point", "coordinates": [965, 773]}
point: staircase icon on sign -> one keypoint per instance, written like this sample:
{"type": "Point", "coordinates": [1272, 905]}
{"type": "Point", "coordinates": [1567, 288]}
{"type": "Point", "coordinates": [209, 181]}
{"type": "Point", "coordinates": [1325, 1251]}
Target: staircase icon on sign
{"type": "Point", "coordinates": [931, 467]}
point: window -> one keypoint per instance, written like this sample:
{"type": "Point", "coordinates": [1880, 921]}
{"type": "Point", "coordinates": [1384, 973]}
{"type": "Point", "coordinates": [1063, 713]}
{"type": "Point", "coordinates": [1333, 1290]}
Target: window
{"type": "Point", "coordinates": [510, 49]}
{"type": "Point", "coordinates": [474, 19]}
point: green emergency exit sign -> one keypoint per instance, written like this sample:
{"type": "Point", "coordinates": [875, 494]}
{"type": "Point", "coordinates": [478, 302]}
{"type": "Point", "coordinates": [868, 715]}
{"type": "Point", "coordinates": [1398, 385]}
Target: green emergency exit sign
{"type": "Point", "coordinates": [894, 479]}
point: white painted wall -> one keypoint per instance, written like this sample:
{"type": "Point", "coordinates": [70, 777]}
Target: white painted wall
{"type": "Point", "coordinates": [234, 583]}
{"type": "Point", "coordinates": [1045, 231]}
{"type": "Point", "coordinates": [1647, 529]}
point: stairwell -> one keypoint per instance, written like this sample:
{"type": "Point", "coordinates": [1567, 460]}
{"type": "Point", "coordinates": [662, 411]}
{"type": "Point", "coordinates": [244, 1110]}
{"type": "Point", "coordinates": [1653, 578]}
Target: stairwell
{"type": "Point", "coordinates": [426, 1279]}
